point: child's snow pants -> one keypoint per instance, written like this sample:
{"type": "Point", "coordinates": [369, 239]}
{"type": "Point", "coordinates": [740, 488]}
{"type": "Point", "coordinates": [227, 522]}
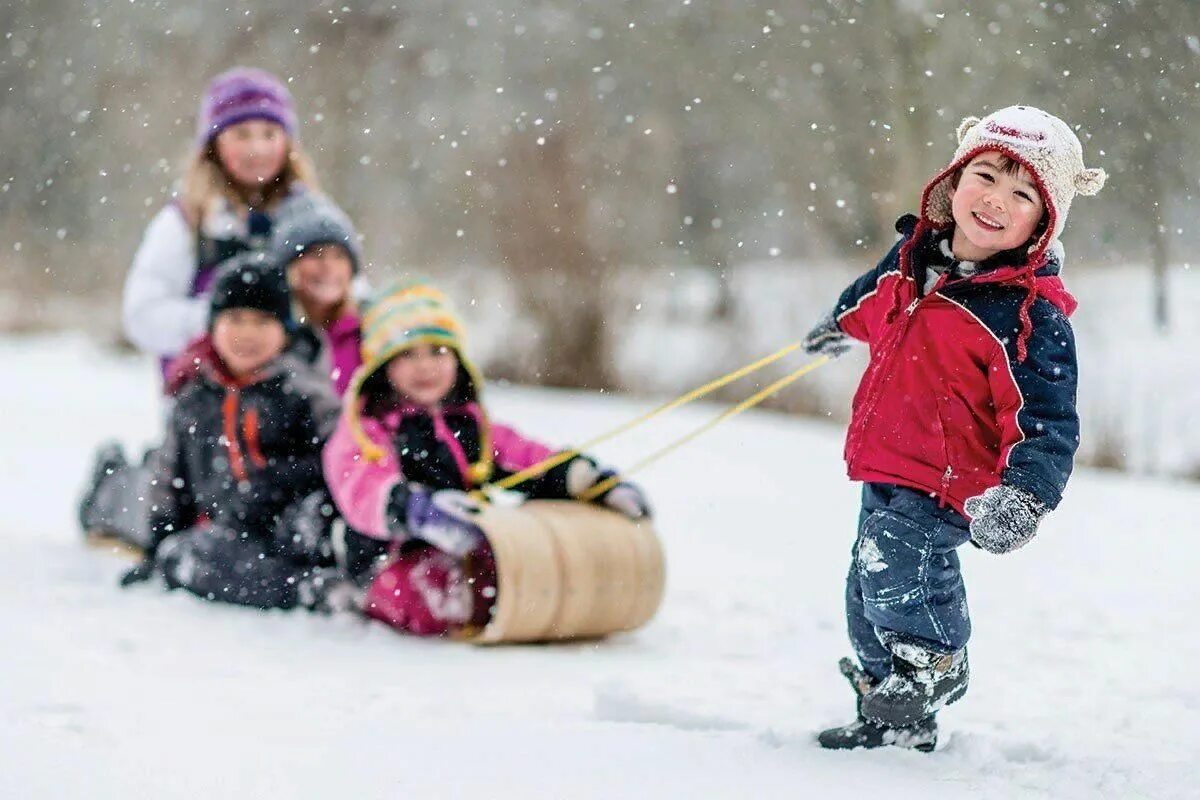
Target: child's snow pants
{"type": "Point", "coordinates": [426, 592]}
{"type": "Point", "coordinates": [221, 564]}
{"type": "Point", "coordinates": [904, 582]}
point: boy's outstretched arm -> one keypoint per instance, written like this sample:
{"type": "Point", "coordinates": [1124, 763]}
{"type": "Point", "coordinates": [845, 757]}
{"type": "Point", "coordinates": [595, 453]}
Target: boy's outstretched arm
{"type": "Point", "coordinates": [862, 304]}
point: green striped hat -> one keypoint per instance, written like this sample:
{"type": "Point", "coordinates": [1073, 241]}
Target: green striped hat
{"type": "Point", "coordinates": [397, 317]}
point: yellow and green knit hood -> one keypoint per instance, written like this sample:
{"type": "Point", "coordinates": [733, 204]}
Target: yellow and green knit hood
{"type": "Point", "coordinates": [399, 316]}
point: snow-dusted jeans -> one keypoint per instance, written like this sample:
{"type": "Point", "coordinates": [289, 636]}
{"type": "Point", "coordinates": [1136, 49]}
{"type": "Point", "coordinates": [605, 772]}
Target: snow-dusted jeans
{"type": "Point", "coordinates": [904, 580]}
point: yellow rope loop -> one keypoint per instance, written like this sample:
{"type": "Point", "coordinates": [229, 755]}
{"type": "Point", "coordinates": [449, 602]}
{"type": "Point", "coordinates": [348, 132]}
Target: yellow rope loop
{"type": "Point", "coordinates": [603, 486]}
{"type": "Point", "coordinates": [566, 455]}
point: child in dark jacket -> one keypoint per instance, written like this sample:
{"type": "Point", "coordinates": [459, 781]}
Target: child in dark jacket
{"type": "Point", "coordinates": [316, 247]}
{"type": "Point", "coordinates": [413, 440]}
{"type": "Point", "coordinates": [242, 447]}
{"type": "Point", "coordinates": [964, 426]}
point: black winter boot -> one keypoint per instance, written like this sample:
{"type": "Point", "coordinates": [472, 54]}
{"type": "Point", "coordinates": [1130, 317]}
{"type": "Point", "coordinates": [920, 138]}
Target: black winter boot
{"type": "Point", "coordinates": [110, 458]}
{"type": "Point", "coordinates": [864, 733]}
{"type": "Point", "coordinates": [922, 682]}
{"type": "Point", "coordinates": [330, 591]}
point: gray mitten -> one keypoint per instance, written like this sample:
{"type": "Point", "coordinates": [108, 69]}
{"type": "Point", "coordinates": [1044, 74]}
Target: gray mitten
{"type": "Point", "coordinates": [624, 497]}
{"type": "Point", "coordinates": [1004, 518]}
{"type": "Point", "coordinates": [826, 339]}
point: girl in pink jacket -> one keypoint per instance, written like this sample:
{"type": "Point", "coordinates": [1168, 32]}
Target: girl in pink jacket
{"type": "Point", "coordinates": [413, 440]}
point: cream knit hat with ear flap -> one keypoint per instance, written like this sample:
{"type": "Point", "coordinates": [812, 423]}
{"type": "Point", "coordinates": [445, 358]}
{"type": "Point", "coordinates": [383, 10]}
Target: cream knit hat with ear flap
{"type": "Point", "coordinates": [1042, 143]}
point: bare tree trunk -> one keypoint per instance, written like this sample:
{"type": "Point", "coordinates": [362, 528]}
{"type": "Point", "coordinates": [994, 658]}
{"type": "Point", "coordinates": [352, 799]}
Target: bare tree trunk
{"type": "Point", "coordinates": [1153, 209]}
{"type": "Point", "coordinates": [541, 229]}
{"type": "Point", "coordinates": [1159, 261]}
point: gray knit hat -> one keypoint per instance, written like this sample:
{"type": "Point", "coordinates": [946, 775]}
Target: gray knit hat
{"type": "Point", "coordinates": [309, 220]}
{"type": "Point", "coordinates": [1040, 142]}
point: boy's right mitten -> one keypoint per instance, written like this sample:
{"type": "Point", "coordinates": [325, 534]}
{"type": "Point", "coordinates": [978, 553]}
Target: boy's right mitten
{"type": "Point", "coordinates": [826, 339]}
{"type": "Point", "coordinates": [1004, 518]}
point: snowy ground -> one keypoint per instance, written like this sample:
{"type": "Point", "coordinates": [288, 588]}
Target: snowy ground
{"type": "Point", "coordinates": [1082, 685]}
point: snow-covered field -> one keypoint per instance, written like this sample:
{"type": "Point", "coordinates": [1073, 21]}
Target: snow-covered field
{"type": "Point", "coordinates": [1082, 682]}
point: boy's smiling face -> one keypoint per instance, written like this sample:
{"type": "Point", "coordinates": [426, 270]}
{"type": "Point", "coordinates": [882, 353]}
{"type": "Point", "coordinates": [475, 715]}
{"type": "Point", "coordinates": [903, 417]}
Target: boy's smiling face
{"type": "Point", "coordinates": [994, 207]}
{"type": "Point", "coordinates": [246, 339]}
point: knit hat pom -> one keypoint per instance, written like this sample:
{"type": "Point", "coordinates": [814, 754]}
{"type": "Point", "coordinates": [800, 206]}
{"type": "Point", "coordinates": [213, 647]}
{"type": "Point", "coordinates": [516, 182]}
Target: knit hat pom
{"type": "Point", "coordinates": [1090, 181]}
{"type": "Point", "coordinates": [965, 126]}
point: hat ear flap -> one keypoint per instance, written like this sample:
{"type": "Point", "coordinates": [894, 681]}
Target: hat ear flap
{"type": "Point", "coordinates": [1090, 181]}
{"type": "Point", "coordinates": [965, 126]}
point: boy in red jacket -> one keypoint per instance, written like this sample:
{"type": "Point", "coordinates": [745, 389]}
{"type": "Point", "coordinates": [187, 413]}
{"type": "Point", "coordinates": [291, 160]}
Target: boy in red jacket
{"type": "Point", "coordinates": [964, 426]}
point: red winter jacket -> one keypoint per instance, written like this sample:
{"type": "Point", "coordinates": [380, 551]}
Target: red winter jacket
{"type": "Point", "coordinates": [968, 386]}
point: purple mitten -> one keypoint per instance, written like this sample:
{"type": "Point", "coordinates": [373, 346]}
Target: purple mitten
{"type": "Point", "coordinates": [443, 521]}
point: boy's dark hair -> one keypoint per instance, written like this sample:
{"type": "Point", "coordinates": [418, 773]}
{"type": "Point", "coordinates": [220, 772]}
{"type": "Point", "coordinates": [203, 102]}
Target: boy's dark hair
{"type": "Point", "coordinates": [1009, 166]}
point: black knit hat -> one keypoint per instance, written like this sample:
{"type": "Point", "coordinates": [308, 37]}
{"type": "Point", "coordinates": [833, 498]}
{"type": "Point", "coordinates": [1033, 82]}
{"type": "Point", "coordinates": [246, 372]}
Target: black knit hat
{"type": "Point", "coordinates": [308, 221]}
{"type": "Point", "coordinates": [248, 281]}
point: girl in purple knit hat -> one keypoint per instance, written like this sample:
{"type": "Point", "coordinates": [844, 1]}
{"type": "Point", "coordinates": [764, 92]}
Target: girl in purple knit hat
{"type": "Point", "coordinates": [245, 164]}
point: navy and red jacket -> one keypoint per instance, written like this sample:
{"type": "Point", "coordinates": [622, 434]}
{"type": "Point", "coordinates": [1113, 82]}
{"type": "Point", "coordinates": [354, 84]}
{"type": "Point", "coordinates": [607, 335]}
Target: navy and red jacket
{"type": "Point", "coordinates": [238, 452]}
{"type": "Point", "coordinates": [968, 386]}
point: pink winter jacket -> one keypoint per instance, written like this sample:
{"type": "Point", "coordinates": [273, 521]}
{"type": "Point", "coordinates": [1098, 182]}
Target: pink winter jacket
{"type": "Point", "coordinates": [362, 489]}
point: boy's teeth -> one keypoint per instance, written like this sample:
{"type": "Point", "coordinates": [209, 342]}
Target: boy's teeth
{"type": "Point", "coordinates": [988, 222]}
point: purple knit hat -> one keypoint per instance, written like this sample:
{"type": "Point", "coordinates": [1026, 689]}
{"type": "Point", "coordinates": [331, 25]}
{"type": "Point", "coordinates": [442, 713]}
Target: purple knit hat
{"type": "Point", "coordinates": [240, 94]}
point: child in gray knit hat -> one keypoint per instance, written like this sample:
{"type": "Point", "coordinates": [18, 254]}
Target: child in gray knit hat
{"type": "Point", "coordinates": [964, 427]}
{"type": "Point", "coordinates": [316, 246]}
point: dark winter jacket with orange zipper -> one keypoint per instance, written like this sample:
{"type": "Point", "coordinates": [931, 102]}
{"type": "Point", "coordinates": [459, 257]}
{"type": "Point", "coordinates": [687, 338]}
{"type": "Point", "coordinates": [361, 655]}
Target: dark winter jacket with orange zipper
{"type": "Point", "coordinates": [968, 385]}
{"type": "Point", "coordinates": [238, 452]}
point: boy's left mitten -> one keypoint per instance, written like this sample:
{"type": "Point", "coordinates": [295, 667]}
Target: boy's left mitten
{"type": "Point", "coordinates": [826, 339]}
{"type": "Point", "coordinates": [1004, 518]}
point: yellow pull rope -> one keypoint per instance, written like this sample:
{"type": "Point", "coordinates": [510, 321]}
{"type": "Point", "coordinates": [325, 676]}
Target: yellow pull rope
{"type": "Point", "coordinates": [566, 455]}
{"type": "Point", "coordinates": [751, 401]}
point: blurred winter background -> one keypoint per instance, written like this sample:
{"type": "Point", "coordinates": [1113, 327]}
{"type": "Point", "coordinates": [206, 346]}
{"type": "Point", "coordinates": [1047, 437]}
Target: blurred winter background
{"type": "Point", "coordinates": [632, 195]}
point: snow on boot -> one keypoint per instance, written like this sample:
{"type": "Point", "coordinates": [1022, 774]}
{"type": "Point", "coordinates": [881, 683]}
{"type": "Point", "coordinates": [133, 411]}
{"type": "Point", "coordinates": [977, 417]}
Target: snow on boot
{"type": "Point", "coordinates": [330, 591]}
{"type": "Point", "coordinates": [110, 458]}
{"type": "Point", "coordinates": [867, 734]}
{"type": "Point", "coordinates": [921, 683]}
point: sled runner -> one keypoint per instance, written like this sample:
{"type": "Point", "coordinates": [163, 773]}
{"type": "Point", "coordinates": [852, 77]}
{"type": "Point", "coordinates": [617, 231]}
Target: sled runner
{"type": "Point", "coordinates": [113, 544]}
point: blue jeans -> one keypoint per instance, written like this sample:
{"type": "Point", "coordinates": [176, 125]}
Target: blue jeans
{"type": "Point", "coordinates": [904, 582]}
